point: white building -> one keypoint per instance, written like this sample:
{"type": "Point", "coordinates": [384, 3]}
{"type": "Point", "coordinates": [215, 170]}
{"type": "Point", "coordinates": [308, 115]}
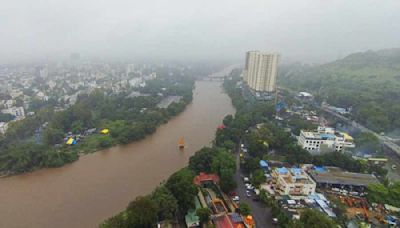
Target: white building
{"type": "Point", "coordinates": [3, 127]}
{"type": "Point", "coordinates": [325, 139]}
{"type": "Point", "coordinates": [261, 70]}
{"type": "Point", "coordinates": [293, 182]}
{"type": "Point", "coordinates": [8, 104]}
{"type": "Point", "coordinates": [15, 111]}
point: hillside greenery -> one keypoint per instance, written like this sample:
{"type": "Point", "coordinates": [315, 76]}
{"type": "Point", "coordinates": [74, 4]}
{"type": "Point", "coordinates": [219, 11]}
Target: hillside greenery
{"type": "Point", "coordinates": [369, 82]}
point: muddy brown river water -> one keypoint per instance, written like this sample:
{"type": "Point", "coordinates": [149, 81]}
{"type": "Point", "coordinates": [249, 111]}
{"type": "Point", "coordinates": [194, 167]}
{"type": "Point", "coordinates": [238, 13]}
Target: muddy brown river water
{"type": "Point", "coordinates": [99, 185]}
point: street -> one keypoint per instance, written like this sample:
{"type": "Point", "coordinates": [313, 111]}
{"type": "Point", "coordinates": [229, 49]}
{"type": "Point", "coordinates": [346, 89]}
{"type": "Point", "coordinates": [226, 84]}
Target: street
{"type": "Point", "coordinates": [261, 213]}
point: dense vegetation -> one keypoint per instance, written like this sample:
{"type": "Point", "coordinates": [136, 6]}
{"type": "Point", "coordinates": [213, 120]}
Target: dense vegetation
{"type": "Point", "coordinates": [38, 141]}
{"type": "Point", "coordinates": [368, 82]}
{"type": "Point", "coordinates": [165, 203]}
{"type": "Point", "coordinates": [379, 193]}
{"type": "Point", "coordinates": [269, 137]}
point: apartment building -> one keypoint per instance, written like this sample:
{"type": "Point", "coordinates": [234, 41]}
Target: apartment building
{"type": "Point", "coordinates": [325, 139]}
{"type": "Point", "coordinates": [294, 182]}
{"type": "Point", "coordinates": [261, 70]}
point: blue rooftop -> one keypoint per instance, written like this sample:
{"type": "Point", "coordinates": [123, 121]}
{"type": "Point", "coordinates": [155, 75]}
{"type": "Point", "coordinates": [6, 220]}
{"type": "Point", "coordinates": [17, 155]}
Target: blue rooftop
{"type": "Point", "coordinates": [282, 170]}
{"type": "Point", "coordinates": [296, 171]}
{"type": "Point", "coordinates": [329, 136]}
{"type": "Point", "coordinates": [263, 164]}
{"type": "Point", "coordinates": [320, 169]}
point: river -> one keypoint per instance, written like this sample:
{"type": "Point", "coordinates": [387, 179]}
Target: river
{"type": "Point", "coordinates": [99, 185]}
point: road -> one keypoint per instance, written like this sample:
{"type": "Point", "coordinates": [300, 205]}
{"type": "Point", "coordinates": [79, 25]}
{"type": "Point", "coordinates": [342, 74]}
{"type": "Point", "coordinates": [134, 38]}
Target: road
{"type": "Point", "coordinates": [394, 147]}
{"type": "Point", "coordinates": [261, 213]}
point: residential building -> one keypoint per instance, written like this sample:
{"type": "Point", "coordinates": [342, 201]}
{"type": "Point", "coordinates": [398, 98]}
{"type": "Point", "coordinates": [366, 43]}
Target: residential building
{"type": "Point", "coordinates": [15, 111]}
{"type": "Point", "coordinates": [3, 127]}
{"type": "Point", "coordinates": [293, 182]}
{"type": "Point", "coordinates": [261, 70]}
{"type": "Point", "coordinates": [325, 140]}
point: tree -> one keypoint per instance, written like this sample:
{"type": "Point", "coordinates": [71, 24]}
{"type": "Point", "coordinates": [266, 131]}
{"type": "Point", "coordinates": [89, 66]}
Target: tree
{"type": "Point", "coordinates": [105, 141]}
{"type": "Point", "coordinates": [166, 203]}
{"type": "Point", "coordinates": [314, 219]}
{"type": "Point", "coordinates": [227, 181]}
{"type": "Point", "coordinates": [204, 215]}
{"type": "Point", "coordinates": [116, 221]}
{"type": "Point", "coordinates": [181, 186]}
{"type": "Point", "coordinates": [52, 136]}
{"type": "Point", "coordinates": [201, 160]}
{"type": "Point", "coordinates": [224, 165]}
{"type": "Point", "coordinates": [142, 212]}
{"type": "Point", "coordinates": [227, 120]}
{"type": "Point", "coordinates": [223, 160]}
{"type": "Point", "coordinates": [368, 143]}
{"type": "Point", "coordinates": [258, 177]}
{"type": "Point", "coordinates": [244, 209]}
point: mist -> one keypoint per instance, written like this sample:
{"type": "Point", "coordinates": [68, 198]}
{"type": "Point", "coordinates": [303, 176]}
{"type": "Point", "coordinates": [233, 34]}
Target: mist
{"type": "Point", "coordinates": [306, 31]}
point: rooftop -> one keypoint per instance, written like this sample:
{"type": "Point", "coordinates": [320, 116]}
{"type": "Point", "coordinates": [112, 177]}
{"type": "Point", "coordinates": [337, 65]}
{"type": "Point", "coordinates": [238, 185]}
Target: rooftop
{"type": "Point", "coordinates": [334, 175]}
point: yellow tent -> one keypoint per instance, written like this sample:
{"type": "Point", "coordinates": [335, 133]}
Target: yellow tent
{"type": "Point", "coordinates": [104, 131]}
{"type": "Point", "coordinates": [347, 137]}
{"type": "Point", "coordinates": [70, 141]}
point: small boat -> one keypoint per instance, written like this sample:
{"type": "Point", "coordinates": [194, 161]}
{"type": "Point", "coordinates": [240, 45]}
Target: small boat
{"type": "Point", "coordinates": [181, 143]}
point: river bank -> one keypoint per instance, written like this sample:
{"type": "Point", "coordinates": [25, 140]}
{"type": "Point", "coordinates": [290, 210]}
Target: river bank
{"type": "Point", "coordinates": [99, 185]}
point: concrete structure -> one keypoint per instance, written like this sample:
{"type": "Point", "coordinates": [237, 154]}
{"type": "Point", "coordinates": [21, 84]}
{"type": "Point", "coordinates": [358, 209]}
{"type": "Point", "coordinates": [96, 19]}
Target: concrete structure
{"type": "Point", "coordinates": [261, 70]}
{"type": "Point", "coordinates": [336, 177]}
{"type": "Point", "coordinates": [324, 140]}
{"type": "Point", "coordinates": [3, 127]}
{"type": "Point", "coordinates": [15, 111]}
{"type": "Point", "coordinates": [293, 182]}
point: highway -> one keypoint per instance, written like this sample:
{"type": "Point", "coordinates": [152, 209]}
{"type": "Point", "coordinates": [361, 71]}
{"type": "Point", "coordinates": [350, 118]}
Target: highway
{"type": "Point", "coordinates": [387, 142]}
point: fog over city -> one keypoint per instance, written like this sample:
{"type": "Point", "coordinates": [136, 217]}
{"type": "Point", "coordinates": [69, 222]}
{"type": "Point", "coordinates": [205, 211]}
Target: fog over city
{"type": "Point", "coordinates": [307, 30]}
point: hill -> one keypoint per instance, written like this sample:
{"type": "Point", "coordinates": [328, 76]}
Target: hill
{"type": "Point", "coordinates": [369, 82]}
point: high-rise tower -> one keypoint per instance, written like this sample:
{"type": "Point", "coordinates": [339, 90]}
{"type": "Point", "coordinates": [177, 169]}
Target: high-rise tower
{"type": "Point", "coordinates": [261, 70]}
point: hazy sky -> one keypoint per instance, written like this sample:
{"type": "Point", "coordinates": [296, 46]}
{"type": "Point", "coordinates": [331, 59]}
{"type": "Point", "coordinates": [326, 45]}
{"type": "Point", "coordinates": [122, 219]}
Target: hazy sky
{"type": "Point", "coordinates": [305, 30]}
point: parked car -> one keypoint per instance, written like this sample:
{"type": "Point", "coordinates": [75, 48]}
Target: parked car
{"type": "Point", "coordinates": [248, 193]}
{"type": "Point", "coordinates": [250, 187]}
{"type": "Point", "coordinates": [236, 198]}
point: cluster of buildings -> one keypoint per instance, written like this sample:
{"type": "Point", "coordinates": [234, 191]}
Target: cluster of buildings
{"type": "Point", "coordinates": [26, 88]}
{"type": "Point", "coordinates": [325, 139]}
{"type": "Point", "coordinates": [224, 211]}
{"type": "Point", "coordinates": [307, 186]}
{"type": "Point", "coordinates": [260, 73]}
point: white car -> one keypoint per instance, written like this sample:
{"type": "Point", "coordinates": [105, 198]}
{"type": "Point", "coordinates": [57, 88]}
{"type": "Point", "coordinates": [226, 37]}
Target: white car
{"type": "Point", "coordinates": [236, 198]}
{"type": "Point", "coordinates": [249, 187]}
{"type": "Point", "coordinates": [248, 194]}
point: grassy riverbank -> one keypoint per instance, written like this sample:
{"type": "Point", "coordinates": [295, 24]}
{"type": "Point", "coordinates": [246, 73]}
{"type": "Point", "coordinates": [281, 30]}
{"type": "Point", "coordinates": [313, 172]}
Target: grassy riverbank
{"type": "Point", "coordinates": [38, 141]}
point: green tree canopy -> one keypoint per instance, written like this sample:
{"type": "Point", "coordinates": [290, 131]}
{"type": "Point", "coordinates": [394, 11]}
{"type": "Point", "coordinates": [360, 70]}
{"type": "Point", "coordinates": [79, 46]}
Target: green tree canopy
{"type": "Point", "coordinates": [181, 186]}
{"type": "Point", "coordinates": [142, 212]}
{"type": "Point", "coordinates": [244, 209]}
